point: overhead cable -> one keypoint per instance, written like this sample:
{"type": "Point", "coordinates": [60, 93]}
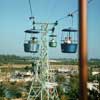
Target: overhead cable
{"type": "Point", "coordinates": [75, 11]}
{"type": "Point", "coordinates": [30, 8]}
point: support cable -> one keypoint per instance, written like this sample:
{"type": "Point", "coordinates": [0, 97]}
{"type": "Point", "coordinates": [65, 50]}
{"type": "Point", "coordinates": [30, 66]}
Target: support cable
{"type": "Point", "coordinates": [75, 11]}
{"type": "Point", "coordinates": [30, 7]}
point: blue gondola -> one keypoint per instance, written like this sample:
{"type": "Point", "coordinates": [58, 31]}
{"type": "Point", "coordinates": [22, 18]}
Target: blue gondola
{"type": "Point", "coordinates": [69, 48]}
{"type": "Point", "coordinates": [69, 45]}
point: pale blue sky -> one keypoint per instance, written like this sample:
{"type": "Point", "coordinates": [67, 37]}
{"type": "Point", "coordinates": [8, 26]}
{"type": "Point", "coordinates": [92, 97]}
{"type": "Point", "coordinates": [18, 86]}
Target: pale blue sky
{"type": "Point", "coordinates": [14, 20]}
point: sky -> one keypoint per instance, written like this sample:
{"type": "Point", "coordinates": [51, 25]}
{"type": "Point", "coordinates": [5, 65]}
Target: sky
{"type": "Point", "coordinates": [14, 20]}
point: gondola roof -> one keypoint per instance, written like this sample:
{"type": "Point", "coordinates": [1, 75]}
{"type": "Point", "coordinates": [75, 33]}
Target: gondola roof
{"type": "Point", "coordinates": [69, 30]}
{"type": "Point", "coordinates": [31, 31]}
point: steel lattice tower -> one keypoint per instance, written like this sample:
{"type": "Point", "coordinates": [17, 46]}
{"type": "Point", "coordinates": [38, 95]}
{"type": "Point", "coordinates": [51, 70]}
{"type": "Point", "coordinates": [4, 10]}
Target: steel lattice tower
{"type": "Point", "coordinates": [43, 85]}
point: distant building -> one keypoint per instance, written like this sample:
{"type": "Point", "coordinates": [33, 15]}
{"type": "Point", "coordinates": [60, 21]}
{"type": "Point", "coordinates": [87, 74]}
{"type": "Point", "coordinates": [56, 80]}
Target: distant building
{"type": "Point", "coordinates": [93, 86]}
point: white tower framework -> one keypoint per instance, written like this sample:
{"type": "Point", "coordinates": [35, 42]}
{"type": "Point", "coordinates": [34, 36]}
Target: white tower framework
{"type": "Point", "coordinates": [43, 85]}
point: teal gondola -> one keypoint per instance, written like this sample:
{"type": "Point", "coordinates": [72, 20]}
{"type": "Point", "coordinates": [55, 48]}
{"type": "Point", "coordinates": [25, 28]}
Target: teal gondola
{"type": "Point", "coordinates": [53, 41]}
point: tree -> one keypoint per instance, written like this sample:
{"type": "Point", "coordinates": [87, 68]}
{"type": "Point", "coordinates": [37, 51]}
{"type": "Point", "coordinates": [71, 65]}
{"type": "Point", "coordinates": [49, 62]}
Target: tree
{"type": "Point", "coordinates": [2, 90]}
{"type": "Point", "coordinates": [64, 97]}
{"type": "Point", "coordinates": [74, 87]}
{"type": "Point", "coordinates": [60, 79]}
{"type": "Point", "coordinates": [98, 79]}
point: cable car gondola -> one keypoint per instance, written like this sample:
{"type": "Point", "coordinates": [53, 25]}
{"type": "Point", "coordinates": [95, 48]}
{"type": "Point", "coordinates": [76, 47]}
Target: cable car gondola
{"type": "Point", "coordinates": [52, 42]}
{"type": "Point", "coordinates": [69, 44]}
{"type": "Point", "coordinates": [53, 37]}
{"type": "Point", "coordinates": [31, 45]}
